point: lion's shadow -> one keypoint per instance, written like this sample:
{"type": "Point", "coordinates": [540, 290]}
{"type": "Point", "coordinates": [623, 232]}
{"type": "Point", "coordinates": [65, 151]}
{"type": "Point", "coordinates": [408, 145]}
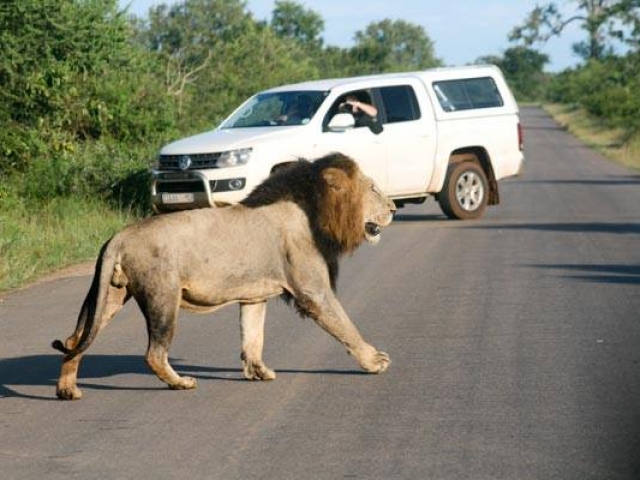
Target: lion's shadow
{"type": "Point", "coordinates": [43, 370]}
{"type": "Point", "coordinates": [214, 372]}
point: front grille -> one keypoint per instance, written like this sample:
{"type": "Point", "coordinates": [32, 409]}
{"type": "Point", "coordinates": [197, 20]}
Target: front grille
{"type": "Point", "coordinates": [198, 161]}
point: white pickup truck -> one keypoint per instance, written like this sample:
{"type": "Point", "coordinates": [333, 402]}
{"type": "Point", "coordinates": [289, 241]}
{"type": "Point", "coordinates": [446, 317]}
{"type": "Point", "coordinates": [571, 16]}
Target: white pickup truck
{"type": "Point", "coordinates": [451, 133]}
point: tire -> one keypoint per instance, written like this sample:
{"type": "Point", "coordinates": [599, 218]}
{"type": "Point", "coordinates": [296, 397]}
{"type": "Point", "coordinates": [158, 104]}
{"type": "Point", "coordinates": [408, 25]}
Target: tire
{"type": "Point", "coordinates": [465, 192]}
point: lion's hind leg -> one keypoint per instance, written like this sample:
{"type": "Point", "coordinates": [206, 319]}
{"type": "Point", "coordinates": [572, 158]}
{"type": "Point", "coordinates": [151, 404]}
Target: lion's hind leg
{"type": "Point", "coordinates": [252, 316]}
{"type": "Point", "coordinates": [161, 313]}
{"type": "Point", "coordinates": [66, 388]}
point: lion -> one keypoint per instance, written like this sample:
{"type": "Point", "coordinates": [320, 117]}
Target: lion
{"type": "Point", "coordinates": [284, 239]}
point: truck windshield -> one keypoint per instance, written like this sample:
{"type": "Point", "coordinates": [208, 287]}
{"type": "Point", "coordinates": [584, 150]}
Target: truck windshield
{"type": "Point", "coordinates": [278, 108]}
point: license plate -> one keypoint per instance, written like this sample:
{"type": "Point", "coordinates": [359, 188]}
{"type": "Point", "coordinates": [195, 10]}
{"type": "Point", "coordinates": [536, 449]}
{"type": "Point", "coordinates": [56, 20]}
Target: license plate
{"type": "Point", "coordinates": [177, 198]}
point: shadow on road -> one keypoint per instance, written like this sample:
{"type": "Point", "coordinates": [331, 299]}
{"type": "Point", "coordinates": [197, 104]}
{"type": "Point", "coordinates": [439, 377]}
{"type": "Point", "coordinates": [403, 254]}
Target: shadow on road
{"type": "Point", "coordinates": [616, 181]}
{"type": "Point", "coordinates": [407, 217]}
{"type": "Point", "coordinates": [552, 127]}
{"type": "Point", "coordinates": [43, 370]}
{"type": "Point", "coordinates": [213, 372]}
{"type": "Point", "coordinates": [602, 273]}
{"type": "Point", "coordinates": [574, 227]}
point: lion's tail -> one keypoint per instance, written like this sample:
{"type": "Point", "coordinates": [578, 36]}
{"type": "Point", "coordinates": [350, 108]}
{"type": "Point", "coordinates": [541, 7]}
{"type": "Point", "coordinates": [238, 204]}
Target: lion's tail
{"type": "Point", "coordinates": [108, 274]}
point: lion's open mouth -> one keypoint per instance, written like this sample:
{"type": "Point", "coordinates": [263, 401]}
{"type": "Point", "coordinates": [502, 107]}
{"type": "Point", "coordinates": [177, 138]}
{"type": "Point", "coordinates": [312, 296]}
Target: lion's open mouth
{"type": "Point", "coordinates": [372, 229]}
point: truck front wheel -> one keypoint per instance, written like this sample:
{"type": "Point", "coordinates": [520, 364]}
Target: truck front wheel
{"type": "Point", "coordinates": [464, 194]}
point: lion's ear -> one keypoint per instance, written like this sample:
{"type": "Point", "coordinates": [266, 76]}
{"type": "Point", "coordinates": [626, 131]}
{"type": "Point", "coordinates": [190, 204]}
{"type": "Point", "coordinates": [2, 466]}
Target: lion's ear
{"type": "Point", "coordinates": [336, 178]}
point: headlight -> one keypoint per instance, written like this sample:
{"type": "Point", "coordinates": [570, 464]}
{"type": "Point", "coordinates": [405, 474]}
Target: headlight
{"type": "Point", "coordinates": [233, 158]}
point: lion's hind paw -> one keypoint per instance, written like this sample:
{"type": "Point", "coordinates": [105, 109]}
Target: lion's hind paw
{"type": "Point", "coordinates": [68, 393]}
{"type": "Point", "coordinates": [185, 383]}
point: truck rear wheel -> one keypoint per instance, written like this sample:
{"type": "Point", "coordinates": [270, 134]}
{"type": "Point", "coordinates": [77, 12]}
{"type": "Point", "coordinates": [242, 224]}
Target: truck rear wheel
{"type": "Point", "coordinates": [464, 194]}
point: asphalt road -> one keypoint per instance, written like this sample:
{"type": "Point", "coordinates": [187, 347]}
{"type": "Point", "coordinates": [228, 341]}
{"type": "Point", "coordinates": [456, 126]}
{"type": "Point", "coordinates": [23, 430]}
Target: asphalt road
{"type": "Point", "coordinates": [514, 343]}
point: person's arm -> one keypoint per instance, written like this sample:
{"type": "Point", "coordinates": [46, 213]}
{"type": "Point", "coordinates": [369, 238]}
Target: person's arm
{"type": "Point", "coordinates": [369, 110]}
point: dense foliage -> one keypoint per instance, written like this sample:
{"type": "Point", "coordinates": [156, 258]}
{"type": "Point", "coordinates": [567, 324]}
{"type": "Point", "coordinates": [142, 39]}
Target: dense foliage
{"type": "Point", "coordinates": [607, 88]}
{"type": "Point", "coordinates": [88, 93]}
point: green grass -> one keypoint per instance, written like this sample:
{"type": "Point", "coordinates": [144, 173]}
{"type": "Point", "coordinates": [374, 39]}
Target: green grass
{"type": "Point", "coordinates": [614, 143]}
{"type": "Point", "coordinates": [37, 239]}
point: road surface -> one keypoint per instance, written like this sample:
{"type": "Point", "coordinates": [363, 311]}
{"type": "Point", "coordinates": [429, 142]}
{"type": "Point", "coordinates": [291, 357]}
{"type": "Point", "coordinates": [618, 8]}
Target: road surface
{"type": "Point", "coordinates": [515, 343]}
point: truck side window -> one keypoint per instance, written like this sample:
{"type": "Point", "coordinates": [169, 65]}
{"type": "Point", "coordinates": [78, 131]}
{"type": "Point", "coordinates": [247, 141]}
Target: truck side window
{"type": "Point", "coordinates": [467, 94]}
{"type": "Point", "coordinates": [400, 104]}
{"type": "Point", "coordinates": [363, 118]}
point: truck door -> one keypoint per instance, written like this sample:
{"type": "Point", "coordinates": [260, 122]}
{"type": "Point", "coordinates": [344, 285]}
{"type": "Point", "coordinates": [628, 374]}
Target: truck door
{"type": "Point", "coordinates": [409, 137]}
{"type": "Point", "coordinates": [360, 143]}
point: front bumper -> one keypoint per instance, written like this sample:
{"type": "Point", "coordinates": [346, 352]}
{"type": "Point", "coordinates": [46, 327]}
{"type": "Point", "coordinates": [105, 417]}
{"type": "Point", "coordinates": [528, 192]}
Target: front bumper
{"type": "Point", "coordinates": [171, 191]}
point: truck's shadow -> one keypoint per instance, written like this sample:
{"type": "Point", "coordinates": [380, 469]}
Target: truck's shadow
{"type": "Point", "coordinates": [416, 217]}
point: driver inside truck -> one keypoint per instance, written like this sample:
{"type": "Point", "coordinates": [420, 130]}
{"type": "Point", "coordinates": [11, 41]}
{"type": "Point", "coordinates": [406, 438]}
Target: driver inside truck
{"type": "Point", "coordinates": [298, 112]}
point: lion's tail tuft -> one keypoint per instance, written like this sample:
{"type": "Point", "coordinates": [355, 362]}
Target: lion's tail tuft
{"type": "Point", "coordinates": [58, 345]}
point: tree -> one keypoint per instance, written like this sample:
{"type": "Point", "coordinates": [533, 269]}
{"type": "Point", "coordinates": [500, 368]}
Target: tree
{"type": "Point", "coordinates": [605, 22]}
{"type": "Point", "coordinates": [68, 73]}
{"type": "Point", "coordinates": [291, 20]}
{"type": "Point", "coordinates": [46, 44]}
{"type": "Point", "coordinates": [523, 69]}
{"type": "Point", "coordinates": [256, 60]}
{"type": "Point", "coordinates": [216, 55]}
{"type": "Point", "coordinates": [392, 46]}
{"type": "Point", "coordinates": [188, 36]}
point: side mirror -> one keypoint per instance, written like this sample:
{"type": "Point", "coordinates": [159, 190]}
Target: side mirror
{"type": "Point", "coordinates": [341, 122]}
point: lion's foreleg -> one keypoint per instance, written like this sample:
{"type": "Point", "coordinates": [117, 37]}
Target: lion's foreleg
{"type": "Point", "coordinates": [329, 314]}
{"type": "Point", "coordinates": [158, 361]}
{"type": "Point", "coordinates": [252, 317]}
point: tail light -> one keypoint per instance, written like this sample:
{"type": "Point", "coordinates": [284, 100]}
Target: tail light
{"type": "Point", "coordinates": [520, 137]}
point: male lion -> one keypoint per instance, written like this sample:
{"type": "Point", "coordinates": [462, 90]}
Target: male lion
{"type": "Point", "coordinates": [284, 239]}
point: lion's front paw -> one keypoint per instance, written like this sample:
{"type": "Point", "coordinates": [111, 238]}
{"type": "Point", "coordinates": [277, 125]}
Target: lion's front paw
{"type": "Point", "coordinates": [378, 363]}
{"type": "Point", "coordinates": [258, 371]}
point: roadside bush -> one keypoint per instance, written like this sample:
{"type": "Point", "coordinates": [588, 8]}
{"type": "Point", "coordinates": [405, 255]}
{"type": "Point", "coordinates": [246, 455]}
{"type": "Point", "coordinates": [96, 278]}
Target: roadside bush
{"type": "Point", "coordinates": [19, 146]}
{"type": "Point", "coordinates": [607, 89]}
{"type": "Point", "coordinates": [94, 170]}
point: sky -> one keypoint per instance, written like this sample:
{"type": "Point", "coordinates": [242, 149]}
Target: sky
{"type": "Point", "coordinates": [462, 30]}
